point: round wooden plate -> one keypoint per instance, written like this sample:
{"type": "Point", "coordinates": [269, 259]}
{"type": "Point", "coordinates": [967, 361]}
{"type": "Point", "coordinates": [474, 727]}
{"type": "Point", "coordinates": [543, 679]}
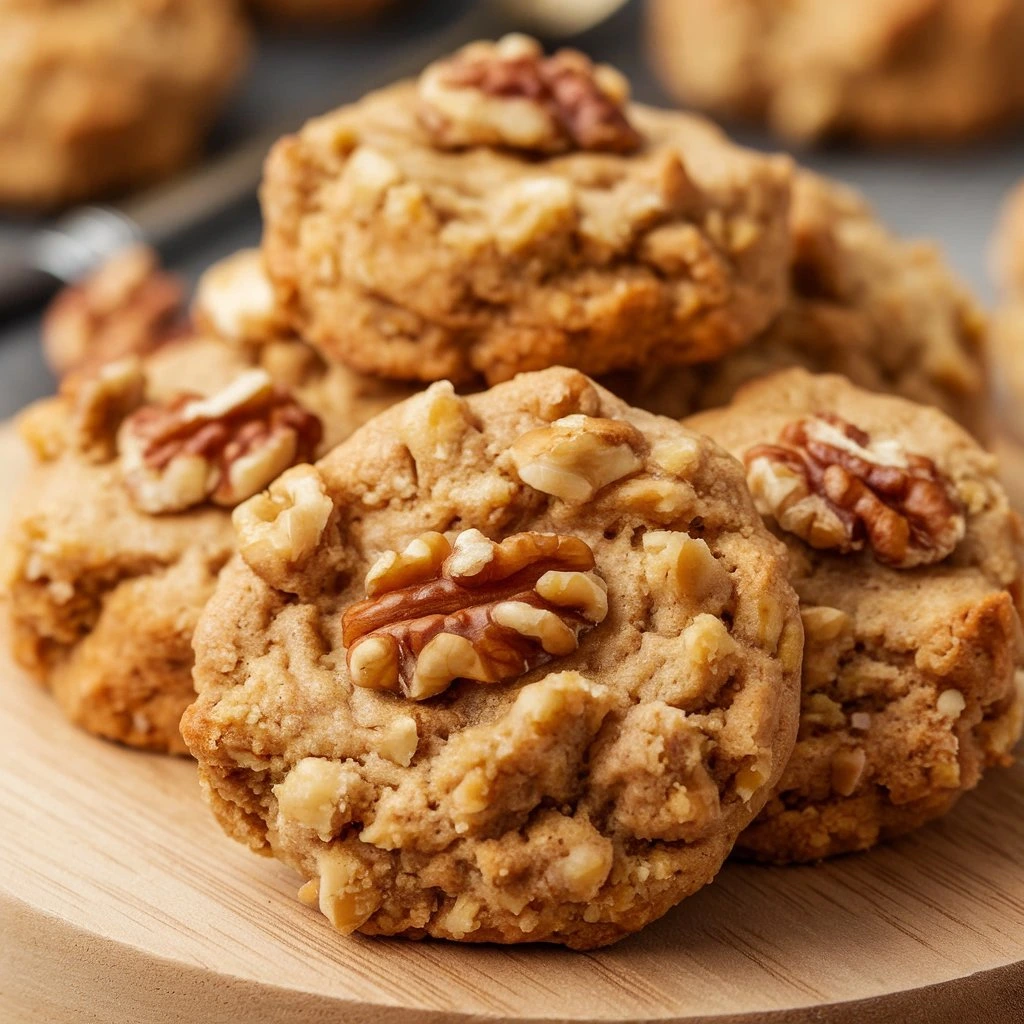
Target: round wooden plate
{"type": "Point", "coordinates": [121, 902]}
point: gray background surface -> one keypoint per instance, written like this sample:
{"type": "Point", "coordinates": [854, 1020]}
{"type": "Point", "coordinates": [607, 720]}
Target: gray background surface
{"type": "Point", "coordinates": [950, 195]}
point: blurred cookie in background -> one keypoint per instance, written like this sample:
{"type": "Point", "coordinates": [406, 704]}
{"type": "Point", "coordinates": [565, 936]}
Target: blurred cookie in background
{"type": "Point", "coordinates": [98, 96]}
{"type": "Point", "coordinates": [878, 70]}
{"type": "Point", "coordinates": [310, 12]}
{"type": "Point", "coordinates": [1008, 321]}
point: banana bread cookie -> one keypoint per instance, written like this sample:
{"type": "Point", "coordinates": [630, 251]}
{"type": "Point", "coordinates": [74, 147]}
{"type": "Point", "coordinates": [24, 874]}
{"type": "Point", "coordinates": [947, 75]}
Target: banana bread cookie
{"type": "Point", "coordinates": [510, 668]}
{"type": "Point", "coordinates": [125, 521]}
{"type": "Point", "coordinates": [103, 95]}
{"type": "Point", "coordinates": [905, 554]}
{"type": "Point", "coordinates": [876, 70]}
{"type": "Point", "coordinates": [885, 312]}
{"type": "Point", "coordinates": [510, 211]}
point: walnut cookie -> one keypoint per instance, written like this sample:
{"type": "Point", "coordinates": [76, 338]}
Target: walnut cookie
{"type": "Point", "coordinates": [883, 311]}
{"type": "Point", "coordinates": [103, 95]}
{"type": "Point", "coordinates": [122, 527]}
{"type": "Point", "coordinates": [906, 557]}
{"type": "Point", "coordinates": [516, 667]}
{"type": "Point", "coordinates": [877, 70]}
{"type": "Point", "coordinates": [510, 211]}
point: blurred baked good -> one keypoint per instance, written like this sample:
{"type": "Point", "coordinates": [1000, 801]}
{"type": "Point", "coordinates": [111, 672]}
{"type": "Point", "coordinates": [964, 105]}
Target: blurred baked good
{"type": "Point", "coordinates": [511, 211]}
{"type": "Point", "coordinates": [103, 95]}
{"type": "Point", "coordinates": [877, 70]}
{"type": "Point", "coordinates": [510, 668]}
{"type": "Point", "coordinates": [905, 555]}
{"type": "Point", "coordinates": [1007, 338]}
{"type": "Point", "coordinates": [885, 312]}
{"type": "Point", "coordinates": [129, 306]}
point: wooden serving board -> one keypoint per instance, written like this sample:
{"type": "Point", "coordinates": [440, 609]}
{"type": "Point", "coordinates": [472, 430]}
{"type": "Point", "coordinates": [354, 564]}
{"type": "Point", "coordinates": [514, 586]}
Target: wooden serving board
{"type": "Point", "coordinates": [122, 903]}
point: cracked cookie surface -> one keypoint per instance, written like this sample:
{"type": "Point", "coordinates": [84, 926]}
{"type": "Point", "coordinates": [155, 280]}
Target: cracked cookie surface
{"type": "Point", "coordinates": [510, 212]}
{"type": "Point", "coordinates": [100, 96]}
{"type": "Point", "coordinates": [516, 667]}
{"type": "Point", "coordinates": [911, 608]}
{"type": "Point", "coordinates": [877, 70]}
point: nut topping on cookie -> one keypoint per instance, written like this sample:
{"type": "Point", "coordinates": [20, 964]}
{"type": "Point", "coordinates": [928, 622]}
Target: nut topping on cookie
{"type": "Point", "coordinates": [509, 94]}
{"type": "Point", "coordinates": [827, 482]}
{"type": "Point", "coordinates": [224, 448]}
{"type": "Point", "coordinates": [576, 456]}
{"type": "Point", "coordinates": [475, 609]}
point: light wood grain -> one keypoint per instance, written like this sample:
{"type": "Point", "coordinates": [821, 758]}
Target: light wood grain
{"type": "Point", "coordinates": [122, 903]}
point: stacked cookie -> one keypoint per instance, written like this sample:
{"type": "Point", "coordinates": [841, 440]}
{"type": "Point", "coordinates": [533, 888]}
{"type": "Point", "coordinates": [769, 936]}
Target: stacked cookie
{"type": "Point", "coordinates": [482, 651]}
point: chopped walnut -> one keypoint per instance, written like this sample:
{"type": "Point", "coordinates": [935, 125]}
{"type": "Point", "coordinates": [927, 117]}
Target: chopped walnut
{"type": "Point", "coordinates": [509, 94]}
{"type": "Point", "coordinates": [827, 482]}
{"type": "Point", "coordinates": [576, 456]}
{"type": "Point", "coordinates": [475, 609]}
{"type": "Point", "coordinates": [278, 530]}
{"type": "Point", "coordinates": [224, 448]}
{"type": "Point", "coordinates": [235, 300]}
{"type": "Point", "coordinates": [127, 307]}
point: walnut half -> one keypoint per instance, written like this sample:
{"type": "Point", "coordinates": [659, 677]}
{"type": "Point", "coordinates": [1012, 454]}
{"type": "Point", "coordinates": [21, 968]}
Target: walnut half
{"type": "Point", "coordinates": [475, 609]}
{"type": "Point", "coordinates": [827, 482]}
{"type": "Point", "coordinates": [509, 94]}
{"type": "Point", "coordinates": [224, 448]}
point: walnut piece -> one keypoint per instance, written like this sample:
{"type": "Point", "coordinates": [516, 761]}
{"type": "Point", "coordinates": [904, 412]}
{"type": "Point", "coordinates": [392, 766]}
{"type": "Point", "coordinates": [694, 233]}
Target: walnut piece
{"type": "Point", "coordinates": [827, 482]}
{"type": "Point", "coordinates": [127, 307]}
{"type": "Point", "coordinates": [279, 529]}
{"type": "Point", "coordinates": [224, 448]}
{"type": "Point", "coordinates": [475, 609]}
{"type": "Point", "coordinates": [509, 94]}
{"type": "Point", "coordinates": [576, 456]}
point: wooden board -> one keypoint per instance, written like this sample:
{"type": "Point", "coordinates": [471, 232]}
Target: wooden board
{"type": "Point", "coordinates": [122, 903]}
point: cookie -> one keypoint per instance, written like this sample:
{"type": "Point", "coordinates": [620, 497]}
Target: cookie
{"type": "Point", "coordinates": [885, 312]}
{"type": "Point", "coordinates": [1008, 243]}
{"type": "Point", "coordinates": [1008, 322]}
{"type": "Point", "coordinates": [905, 555]}
{"type": "Point", "coordinates": [877, 71]}
{"type": "Point", "coordinates": [510, 668]}
{"type": "Point", "coordinates": [509, 212]}
{"type": "Point", "coordinates": [99, 96]}
{"type": "Point", "coordinates": [125, 522]}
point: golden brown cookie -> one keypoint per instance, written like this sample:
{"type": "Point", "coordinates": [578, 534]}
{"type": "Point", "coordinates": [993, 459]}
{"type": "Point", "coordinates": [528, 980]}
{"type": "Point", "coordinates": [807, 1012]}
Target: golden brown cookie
{"type": "Point", "coordinates": [510, 668]}
{"type": "Point", "coordinates": [454, 227]}
{"type": "Point", "coordinates": [885, 312]}
{"type": "Point", "coordinates": [103, 95]}
{"type": "Point", "coordinates": [877, 70]}
{"type": "Point", "coordinates": [125, 521]}
{"type": "Point", "coordinates": [906, 557]}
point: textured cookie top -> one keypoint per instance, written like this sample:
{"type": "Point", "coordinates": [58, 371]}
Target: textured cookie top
{"type": "Point", "coordinates": [877, 69]}
{"type": "Point", "coordinates": [511, 212]}
{"type": "Point", "coordinates": [906, 557]}
{"type": "Point", "coordinates": [452, 660]}
{"type": "Point", "coordinates": [884, 311]}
